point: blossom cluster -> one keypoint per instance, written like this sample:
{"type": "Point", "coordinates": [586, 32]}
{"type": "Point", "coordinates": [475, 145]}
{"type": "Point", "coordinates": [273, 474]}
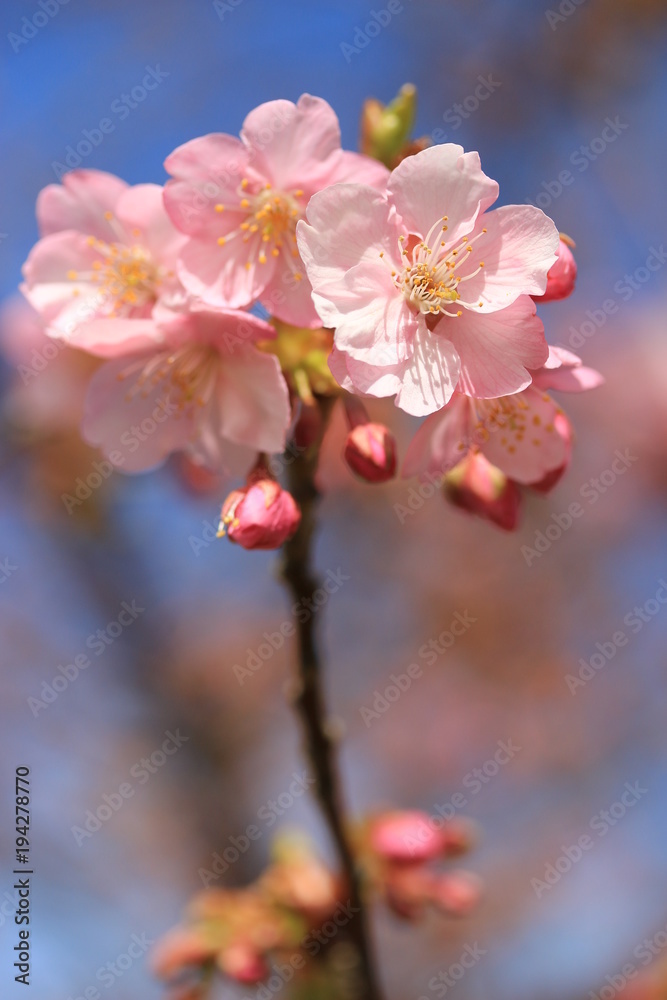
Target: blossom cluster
{"type": "Point", "coordinates": [274, 269]}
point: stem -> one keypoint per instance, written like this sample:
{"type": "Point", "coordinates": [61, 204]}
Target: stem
{"type": "Point", "coordinates": [309, 702]}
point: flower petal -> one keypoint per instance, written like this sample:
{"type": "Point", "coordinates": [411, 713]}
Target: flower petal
{"type": "Point", "coordinates": [532, 441]}
{"type": "Point", "coordinates": [441, 441]}
{"type": "Point", "coordinates": [498, 348]}
{"type": "Point", "coordinates": [80, 203]}
{"type": "Point", "coordinates": [141, 211]}
{"type": "Point", "coordinates": [207, 172]}
{"type": "Point", "coordinates": [252, 401]}
{"type": "Point", "coordinates": [216, 275]}
{"type": "Point", "coordinates": [430, 376]}
{"type": "Point", "coordinates": [441, 180]}
{"type": "Point", "coordinates": [135, 431]}
{"type": "Point", "coordinates": [517, 245]}
{"type": "Point", "coordinates": [290, 143]}
{"type": "Point", "coordinates": [111, 338]}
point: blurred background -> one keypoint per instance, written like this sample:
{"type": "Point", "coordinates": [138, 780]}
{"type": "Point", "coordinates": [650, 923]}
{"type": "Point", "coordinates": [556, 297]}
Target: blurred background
{"type": "Point", "coordinates": [532, 88]}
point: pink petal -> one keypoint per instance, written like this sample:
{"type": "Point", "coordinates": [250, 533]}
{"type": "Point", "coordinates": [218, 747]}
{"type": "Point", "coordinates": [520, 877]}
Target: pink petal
{"type": "Point", "coordinates": [47, 286]}
{"type": "Point", "coordinates": [288, 299]}
{"type": "Point", "coordinates": [429, 377]}
{"type": "Point", "coordinates": [207, 172]}
{"type": "Point", "coordinates": [228, 330]}
{"type": "Point", "coordinates": [141, 211]}
{"type": "Point", "coordinates": [337, 362]}
{"type": "Point", "coordinates": [216, 275]}
{"type": "Point", "coordinates": [498, 348]}
{"type": "Point", "coordinates": [252, 401]}
{"type": "Point", "coordinates": [135, 432]}
{"type": "Point", "coordinates": [80, 203]}
{"type": "Point", "coordinates": [517, 249]}
{"type": "Point", "coordinates": [348, 224]}
{"type": "Point", "coordinates": [564, 379]}
{"type": "Point", "coordinates": [531, 443]}
{"type": "Point", "coordinates": [290, 143]}
{"type": "Point", "coordinates": [442, 440]}
{"type": "Point", "coordinates": [354, 168]}
{"type": "Point", "coordinates": [441, 180]}
{"type": "Point", "coordinates": [111, 338]}
{"type": "Point", "coordinates": [372, 320]}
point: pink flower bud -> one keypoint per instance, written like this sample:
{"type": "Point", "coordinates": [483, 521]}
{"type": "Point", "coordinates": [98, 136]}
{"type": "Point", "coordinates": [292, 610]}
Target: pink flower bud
{"type": "Point", "coordinates": [262, 515]}
{"type": "Point", "coordinates": [457, 893]}
{"type": "Point", "coordinates": [562, 277]}
{"type": "Point", "coordinates": [370, 451]}
{"type": "Point", "coordinates": [406, 837]}
{"type": "Point", "coordinates": [242, 962]}
{"type": "Point", "coordinates": [480, 488]}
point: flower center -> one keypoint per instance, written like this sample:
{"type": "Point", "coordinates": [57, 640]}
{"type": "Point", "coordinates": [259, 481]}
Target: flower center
{"type": "Point", "coordinates": [431, 277]}
{"type": "Point", "coordinates": [188, 374]}
{"type": "Point", "coordinates": [269, 227]}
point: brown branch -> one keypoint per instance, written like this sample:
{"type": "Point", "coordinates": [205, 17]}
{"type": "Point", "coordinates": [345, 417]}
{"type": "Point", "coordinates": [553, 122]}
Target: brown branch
{"type": "Point", "coordinates": [309, 703]}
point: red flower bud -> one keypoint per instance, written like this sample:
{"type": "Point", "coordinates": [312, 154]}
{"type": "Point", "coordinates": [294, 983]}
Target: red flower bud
{"type": "Point", "coordinates": [262, 515]}
{"type": "Point", "coordinates": [370, 451]}
{"type": "Point", "coordinates": [562, 277]}
{"type": "Point", "coordinates": [480, 488]}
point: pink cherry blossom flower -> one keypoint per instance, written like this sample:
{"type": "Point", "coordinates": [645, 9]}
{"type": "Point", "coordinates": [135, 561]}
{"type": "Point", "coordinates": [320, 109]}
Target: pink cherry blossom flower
{"type": "Point", "coordinates": [240, 199]}
{"type": "Point", "coordinates": [427, 291]}
{"type": "Point", "coordinates": [562, 277]}
{"type": "Point", "coordinates": [526, 435]}
{"type": "Point", "coordinates": [106, 264]}
{"type": "Point", "coordinates": [262, 515]}
{"type": "Point", "coordinates": [202, 387]}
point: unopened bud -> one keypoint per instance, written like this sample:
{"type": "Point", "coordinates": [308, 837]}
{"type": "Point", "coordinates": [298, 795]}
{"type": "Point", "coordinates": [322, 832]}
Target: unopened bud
{"type": "Point", "coordinates": [562, 277]}
{"type": "Point", "coordinates": [480, 488]}
{"type": "Point", "coordinates": [385, 130]}
{"type": "Point", "coordinates": [370, 451]}
{"type": "Point", "coordinates": [262, 515]}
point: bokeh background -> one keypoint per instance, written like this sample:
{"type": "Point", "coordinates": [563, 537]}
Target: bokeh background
{"type": "Point", "coordinates": [556, 78]}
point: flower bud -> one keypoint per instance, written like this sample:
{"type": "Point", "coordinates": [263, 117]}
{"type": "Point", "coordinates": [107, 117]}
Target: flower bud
{"type": "Point", "coordinates": [262, 515]}
{"type": "Point", "coordinates": [179, 949]}
{"type": "Point", "coordinates": [243, 962]}
{"type": "Point", "coordinates": [407, 836]}
{"type": "Point", "coordinates": [562, 277]}
{"type": "Point", "coordinates": [482, 489]}
{"type": "Point", "coordinates": [370, 451]}
{"type": "Point", "coordinates": [457, 893]}
{"type": "Point", "coordinates": [385, 130]}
